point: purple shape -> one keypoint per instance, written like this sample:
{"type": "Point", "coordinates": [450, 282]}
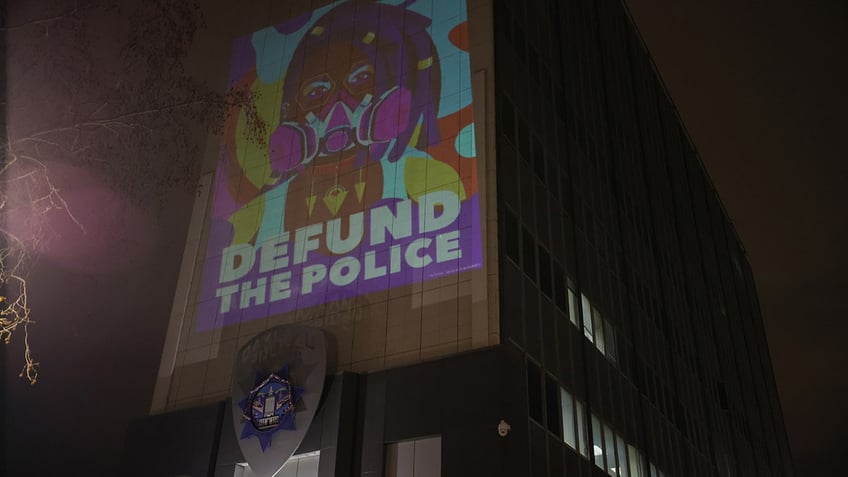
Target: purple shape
{"type": "Point", "coordinates": [337, 116]}
{"type": "Point", "coordinates": [338, 140]}
{"type": "Point", "coordinates": [391, 116]}
{"type": "Point", "coordinates": [223, 205]}
{"type": "Point", "coordinates": [287, 147]}
{"type": "Point", "coordinates": [244, 58]}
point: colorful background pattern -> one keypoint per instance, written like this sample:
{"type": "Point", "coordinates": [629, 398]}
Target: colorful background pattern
{"type": "Point", "coordinates": [266, 209]}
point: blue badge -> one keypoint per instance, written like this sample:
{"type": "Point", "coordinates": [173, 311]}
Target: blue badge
{"type": "Point", "coordinates": [269, 407]}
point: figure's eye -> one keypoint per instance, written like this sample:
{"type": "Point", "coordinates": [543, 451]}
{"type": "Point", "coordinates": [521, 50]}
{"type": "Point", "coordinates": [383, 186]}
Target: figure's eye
{"type": "Point", "coordinates": [315, 90]}
{"type": "Point", "coordinates": [360, 77]}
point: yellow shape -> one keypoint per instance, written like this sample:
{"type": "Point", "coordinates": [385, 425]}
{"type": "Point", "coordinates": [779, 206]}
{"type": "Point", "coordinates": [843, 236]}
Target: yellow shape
{"type": "Point", "coordinates": [251, 141]}
{"type": "Point", "coordinates": [423, 176]}
{"type": "Point", "coordinates": [368, 38]}
{"type": "Point", "coordinates": [310, 204]}
{"type": "Point", "coordinates": [246, 220]}
{"type": "Point", "coordinates": [334, 198]}
{"type": "Point", "coordinates": [415, 134]}
{"type": "Point", "coordinates": [360, 190]}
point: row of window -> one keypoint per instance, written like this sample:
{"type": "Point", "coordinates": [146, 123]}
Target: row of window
{"type": "Point", "coordinates": [608, 450]}
{"type": "Point", "coordinates": [566, 417]}
{"type": "Point", "coordinates": [554, 284]}
{"type": "Point", "coordinates": [597, 329]}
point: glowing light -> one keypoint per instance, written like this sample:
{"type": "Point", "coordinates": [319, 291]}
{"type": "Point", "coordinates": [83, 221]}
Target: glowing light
{"type": "Point", "coordinates": [29, 193]}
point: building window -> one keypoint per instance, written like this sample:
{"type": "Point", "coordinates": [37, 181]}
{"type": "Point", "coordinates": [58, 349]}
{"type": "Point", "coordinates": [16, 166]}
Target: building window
{"type": "Point", "coordinates": [559, 287]}
{"type": "Point", "coordinates": [609, 451]}
{"type": "Point", "coordinates": [545, 272]}
{"type": "Point", "coordinates": [597, 442]}
{"type": "Point", "coordinates": [598, 327]}
{"type": "Point", "coordinates": [609, 334]}
{"type": "Point", "coordinates": [301, 465]}
{"type": "Point", "coordinates": [582, 429]}
{"type": "Point", "coordinates": [529, 246]}
{"type": "Point", "coordinates": [534, 392]}
{"type": "Point", "coordinates": [587, 318]}
{"type": "Point", "coordinates": [569, 425]}
{"type": "Point", "coordinates": [622, 457]}
{"type": "Point", "coordinates": [538, 159]}
{"type": "Point", "coordinates": [415, 458]}
{"type": "Point", "coordinates": [637, 466]}
{"type": "Point", "coordinates": [552, 406]}
{"type": "Point", "coordinates": [511, 236]}
{"type": "Point", "coordinates": [572, 307]}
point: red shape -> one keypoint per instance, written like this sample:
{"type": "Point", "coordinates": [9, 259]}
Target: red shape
{"type": "Point", "coordinates": [459, 36]}
{"type": "Point", "coordinates": [445, 150]}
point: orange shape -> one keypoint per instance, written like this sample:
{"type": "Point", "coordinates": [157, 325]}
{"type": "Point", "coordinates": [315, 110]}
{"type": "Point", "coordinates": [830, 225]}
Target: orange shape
{"type": "Point", "coordinates": [459, 36]}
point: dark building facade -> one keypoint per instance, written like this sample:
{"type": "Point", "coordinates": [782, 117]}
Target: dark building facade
{"type": "Point", "coordinates": [618, 332]}
{"type": "Point", "coordinates": [606, 212]}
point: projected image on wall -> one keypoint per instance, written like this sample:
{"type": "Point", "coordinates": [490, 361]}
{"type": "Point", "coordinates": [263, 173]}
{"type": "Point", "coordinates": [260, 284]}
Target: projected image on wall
{"type": "Point", "coordinates": [363, 177]}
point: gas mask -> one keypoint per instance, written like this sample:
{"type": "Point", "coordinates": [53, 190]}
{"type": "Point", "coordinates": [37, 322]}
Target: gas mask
{"type": "Point", "coordinates": [295, 144]}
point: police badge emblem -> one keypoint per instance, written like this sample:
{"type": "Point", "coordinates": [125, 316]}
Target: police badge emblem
{"type": "Point", "coordinates": [278, 379]}
{"type": "Point", "coordinates": [269, 407]}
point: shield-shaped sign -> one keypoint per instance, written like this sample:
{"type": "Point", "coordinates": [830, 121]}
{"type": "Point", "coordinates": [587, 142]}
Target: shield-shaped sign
{"type": "Point", "coordinates": [278, 378]}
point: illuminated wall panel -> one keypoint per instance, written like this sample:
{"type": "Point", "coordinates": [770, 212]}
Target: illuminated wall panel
{"type": "Point", "coordinates": [352, 170]}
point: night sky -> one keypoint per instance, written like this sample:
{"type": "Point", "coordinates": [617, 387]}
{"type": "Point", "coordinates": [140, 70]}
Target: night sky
{"type": "Point", "coordinates": [760, 88]}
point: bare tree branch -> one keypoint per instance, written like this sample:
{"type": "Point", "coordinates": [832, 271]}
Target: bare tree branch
{"type": "Point", "coordinates": [135, 119]}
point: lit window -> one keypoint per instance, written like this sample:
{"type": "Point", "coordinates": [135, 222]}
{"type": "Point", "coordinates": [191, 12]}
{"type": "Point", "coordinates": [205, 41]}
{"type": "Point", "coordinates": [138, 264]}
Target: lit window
{"type": "Point", "coordinates": [568, 425]}
{"type": "Point", "coordinates": [636, 464]}
{"type": "Point", "coordinates": [416, 458]}
{"type": "Point", "coordinates": [609, 451]}
{"type": "Point", "coordinates": [587, 317]}
{"type": "Point", "coordinates": [598, 325]}
{"type": "Point", "coordinates": [597, 442]}
{"type": "Point", "coordinates": [572, 308]}
{"type": "Point", "coordinates": [582, 434]}
{"type": "Point", "coordinates": [622, 457]}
